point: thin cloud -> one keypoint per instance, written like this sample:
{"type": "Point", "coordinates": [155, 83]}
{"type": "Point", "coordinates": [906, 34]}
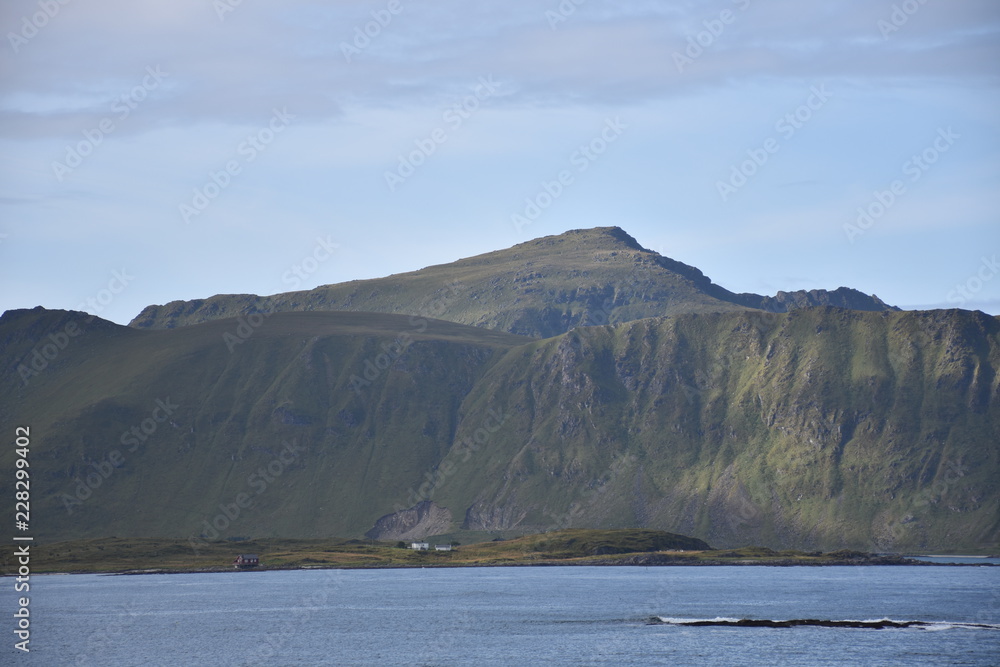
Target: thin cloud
{"type": "Point", "coordinates": [264, 55]}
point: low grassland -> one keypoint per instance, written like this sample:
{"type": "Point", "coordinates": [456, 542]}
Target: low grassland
{"type": "Point", "coordinates": [568, 547]}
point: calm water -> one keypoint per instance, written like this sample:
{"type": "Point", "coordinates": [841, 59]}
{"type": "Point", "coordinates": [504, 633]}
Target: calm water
{"type": "Point", "coordinates": [510, 616]}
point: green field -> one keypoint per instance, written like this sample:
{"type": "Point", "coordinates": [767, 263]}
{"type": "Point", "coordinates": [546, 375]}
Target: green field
{"type": "Point", "coordinates": [570, 547]}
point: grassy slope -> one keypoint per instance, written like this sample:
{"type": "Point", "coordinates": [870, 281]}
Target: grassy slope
{"type": "Point", "coordinates": [290, 381]}
{"type": "Point", "coordinates": [539, 288]}
{"type": "Point", "coordinates": [822, 428]}
{"type": "Point", "coordinates": [818, 429]}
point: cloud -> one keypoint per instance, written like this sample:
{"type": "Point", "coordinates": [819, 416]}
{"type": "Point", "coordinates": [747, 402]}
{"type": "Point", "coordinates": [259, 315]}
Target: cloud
{"type": "Point", "coordinates": [262, 55]}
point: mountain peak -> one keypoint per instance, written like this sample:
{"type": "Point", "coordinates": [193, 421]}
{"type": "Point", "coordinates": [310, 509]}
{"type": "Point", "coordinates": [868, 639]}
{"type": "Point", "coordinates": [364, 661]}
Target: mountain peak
{"type": "Point", "coordinates": [541, 288]}
{"type": "Point", "coordinates": [616, 234]}
{"type": "Point", "coordinates": [612, 237]}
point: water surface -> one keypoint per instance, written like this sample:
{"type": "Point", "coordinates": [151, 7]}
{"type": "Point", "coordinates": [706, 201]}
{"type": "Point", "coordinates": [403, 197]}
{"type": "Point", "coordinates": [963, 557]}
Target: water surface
{"type": "Point", "coordinates": [513, 616]}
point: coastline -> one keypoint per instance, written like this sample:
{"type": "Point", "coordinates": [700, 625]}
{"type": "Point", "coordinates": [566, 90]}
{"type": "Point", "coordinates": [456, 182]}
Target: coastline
{"type": "Point", "coordinates": [567, 548]}
{"type": "Point", "coordinates": [631, 560]}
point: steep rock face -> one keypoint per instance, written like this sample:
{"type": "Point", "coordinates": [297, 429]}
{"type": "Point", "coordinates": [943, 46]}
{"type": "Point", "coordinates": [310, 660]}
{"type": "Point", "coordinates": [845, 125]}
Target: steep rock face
{"type": "Point", "coordinates": [820, 428]}
{"type": "Point", "coordinates": [492, 517]}
{"type": "Point", "coordinates": [423, 519]}
{"type": "Point", "coordinates": [540, 288]}
{"type": "Point", "coordinates": [842, 297]}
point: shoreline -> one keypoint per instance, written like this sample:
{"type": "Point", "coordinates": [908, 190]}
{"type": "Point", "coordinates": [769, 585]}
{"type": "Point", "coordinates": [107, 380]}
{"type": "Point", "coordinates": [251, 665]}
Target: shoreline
{"type": "Point", "coordinates": [640, 560]}
{"type": "Point", "coordinates": [566, 548]}
{"type": "Point", "coordinates": [949, 556]}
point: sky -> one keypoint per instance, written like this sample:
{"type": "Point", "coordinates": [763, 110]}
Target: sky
{"type": "Point", "coordinates": [163, 150]}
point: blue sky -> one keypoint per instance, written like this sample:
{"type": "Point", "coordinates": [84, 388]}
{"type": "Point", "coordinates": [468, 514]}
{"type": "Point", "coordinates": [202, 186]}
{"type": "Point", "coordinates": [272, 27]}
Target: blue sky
{"type": "Point", "coordinates": [174, 150]}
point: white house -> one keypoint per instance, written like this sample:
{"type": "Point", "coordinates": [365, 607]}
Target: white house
{"type": "Point", "coordinates": [442, 547]}
{"type": "Point", "coordinates": [420, 546]}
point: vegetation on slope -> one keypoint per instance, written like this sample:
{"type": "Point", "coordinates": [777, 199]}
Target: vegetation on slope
{"type": "Point", "coordinates": [313, 417]}
{"type": "Point", "coordinates": [821, 428]}
{"type": "Point", "coordinates": [540, 288]}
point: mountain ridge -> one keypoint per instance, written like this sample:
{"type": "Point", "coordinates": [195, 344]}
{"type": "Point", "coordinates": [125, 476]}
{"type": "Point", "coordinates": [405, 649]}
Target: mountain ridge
{"type": "Point", "coordinates": [818, 428]}
{"type": "Point", "coordinates": [539, 288]}
{"type": "Point", "coordinates": [573, 381]}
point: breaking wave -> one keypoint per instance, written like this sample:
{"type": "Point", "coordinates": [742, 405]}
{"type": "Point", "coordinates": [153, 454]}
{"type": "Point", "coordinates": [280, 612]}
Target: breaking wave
{"type": "Point", "coordinates": [875, 624]}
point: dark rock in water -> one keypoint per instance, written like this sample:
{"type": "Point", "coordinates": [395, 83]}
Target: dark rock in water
{"type": "Point", "coordinates": [808, 622]}
{"type": "Point", "coordinates": [814, 622]}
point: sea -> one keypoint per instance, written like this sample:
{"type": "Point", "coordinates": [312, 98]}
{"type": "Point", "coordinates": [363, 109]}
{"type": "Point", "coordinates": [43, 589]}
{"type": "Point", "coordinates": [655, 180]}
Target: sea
{"type": "Point", "coordinates": [514, 616]}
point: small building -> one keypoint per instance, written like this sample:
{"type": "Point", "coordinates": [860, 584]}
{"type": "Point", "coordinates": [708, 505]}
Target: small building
{"type": "Point", "coordinates": [420, 546]}
{"type": "Point", "coordinates": [442, 547]}
{"type": "Point", "coordinates": [244, 561]}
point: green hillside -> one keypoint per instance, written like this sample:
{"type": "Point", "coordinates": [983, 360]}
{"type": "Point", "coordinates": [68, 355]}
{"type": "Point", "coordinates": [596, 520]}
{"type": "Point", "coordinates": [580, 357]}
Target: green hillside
{"type": "Point", "coordinates": [540, 288]}
{"type": "Point", "coordinates": [360, 417]}
{"type": "Point", "coordinates": [822, 428]}
{"type": "Point", "coordinates": [817, 429]}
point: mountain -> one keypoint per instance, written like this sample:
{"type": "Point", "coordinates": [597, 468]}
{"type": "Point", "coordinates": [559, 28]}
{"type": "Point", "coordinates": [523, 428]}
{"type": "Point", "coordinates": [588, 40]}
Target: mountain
{"type": "Point", "coordinates": [817, 428]}
{"type": "Point", "coordinates": [821, 427]}
{"type": "Point", "coordinates": [148, 432]}
{"type": "Point", "coordinates": [540, 288]}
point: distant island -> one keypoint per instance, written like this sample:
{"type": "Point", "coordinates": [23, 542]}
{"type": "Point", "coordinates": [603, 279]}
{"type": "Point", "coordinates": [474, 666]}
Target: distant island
{"type": "Point", "coordinates": [563, 547]}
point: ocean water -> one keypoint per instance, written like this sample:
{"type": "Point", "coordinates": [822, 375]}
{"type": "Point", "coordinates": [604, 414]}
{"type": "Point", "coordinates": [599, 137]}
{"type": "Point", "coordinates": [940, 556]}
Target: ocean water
{"type": "Point", "coordinates": [512, 616]}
